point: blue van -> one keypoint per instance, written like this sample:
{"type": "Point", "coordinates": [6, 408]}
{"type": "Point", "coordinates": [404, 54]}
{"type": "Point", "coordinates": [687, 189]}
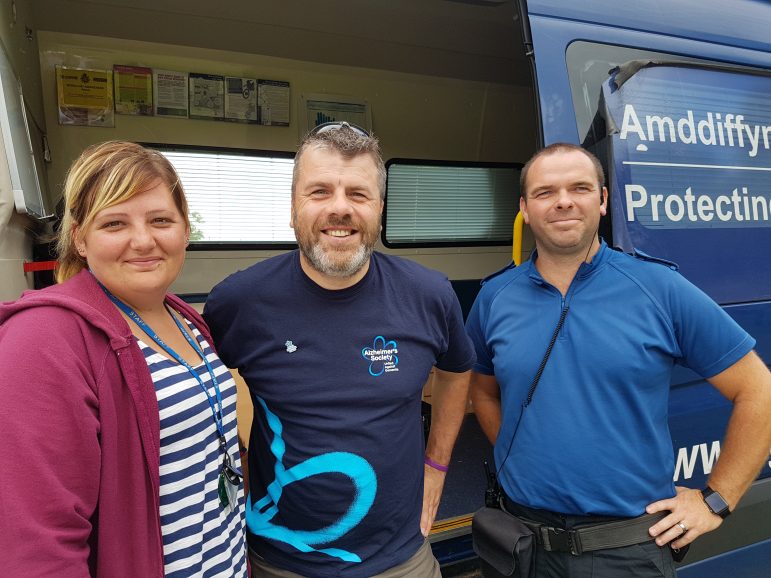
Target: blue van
{"type": "Point", "coordinates": [674, 98]}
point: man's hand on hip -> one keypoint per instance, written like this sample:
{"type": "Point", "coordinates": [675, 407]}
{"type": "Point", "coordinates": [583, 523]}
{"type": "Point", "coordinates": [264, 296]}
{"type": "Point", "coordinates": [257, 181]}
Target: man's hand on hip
{"type": "Point", "coordinates": [689, 517]}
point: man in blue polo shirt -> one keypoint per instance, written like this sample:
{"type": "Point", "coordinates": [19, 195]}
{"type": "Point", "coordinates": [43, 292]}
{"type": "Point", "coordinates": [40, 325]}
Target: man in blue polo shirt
{"type": "Point", "coordinates": [591, 444]}
{"type": "Point", "coordinates": [335, 342]}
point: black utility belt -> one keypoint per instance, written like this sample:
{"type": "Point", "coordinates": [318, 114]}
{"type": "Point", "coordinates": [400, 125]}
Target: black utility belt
{"type": "Point", "coordinates": [590, 537]}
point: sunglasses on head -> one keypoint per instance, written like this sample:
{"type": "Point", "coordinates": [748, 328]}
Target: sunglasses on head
{"type": "Point", "coordinates": [337, 125]}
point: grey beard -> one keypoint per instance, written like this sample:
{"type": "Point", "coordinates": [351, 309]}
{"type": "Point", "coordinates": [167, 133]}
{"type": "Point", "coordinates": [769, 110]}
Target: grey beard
{"type": "Point", "coordinates": [322, 262]}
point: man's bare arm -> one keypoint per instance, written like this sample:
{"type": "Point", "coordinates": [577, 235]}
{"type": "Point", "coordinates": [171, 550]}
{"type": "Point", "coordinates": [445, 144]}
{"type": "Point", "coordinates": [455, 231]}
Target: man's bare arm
{"type": "Point", "coordinates": [486, 400]}
{"type": "Point", "coordinates": [449, 397]}
{"type": "Point", "coordinates": [747, 384]}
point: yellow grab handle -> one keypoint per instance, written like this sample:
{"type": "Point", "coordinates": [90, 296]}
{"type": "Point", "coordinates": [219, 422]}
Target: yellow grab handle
{"type": "Point", "coordinates": [516, 249]}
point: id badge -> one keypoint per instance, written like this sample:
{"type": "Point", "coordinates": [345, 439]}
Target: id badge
{"type": "Point", "coordinates": [228, 485]}
{"type": "Point", "coordinates": [232, 491]}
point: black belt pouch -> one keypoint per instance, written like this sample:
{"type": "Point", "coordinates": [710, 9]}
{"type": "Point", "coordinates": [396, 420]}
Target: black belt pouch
{"type": "Point", "coordinates": [504, 542]}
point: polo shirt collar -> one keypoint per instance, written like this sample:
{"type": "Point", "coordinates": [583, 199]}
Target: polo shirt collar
{"type": "Point", "coordinates": [585, 270]}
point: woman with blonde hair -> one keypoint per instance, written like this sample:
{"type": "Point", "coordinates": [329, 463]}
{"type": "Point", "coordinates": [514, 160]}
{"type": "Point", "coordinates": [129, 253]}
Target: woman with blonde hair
{"type": "Point", "coordinates": [119, 452]}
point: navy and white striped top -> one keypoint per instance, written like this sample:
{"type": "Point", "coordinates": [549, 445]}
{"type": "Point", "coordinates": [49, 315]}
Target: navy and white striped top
{"type": "Point", "coordinates": [200, 537]}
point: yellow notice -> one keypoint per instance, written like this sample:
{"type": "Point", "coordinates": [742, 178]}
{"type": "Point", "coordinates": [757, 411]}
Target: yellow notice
{"type": "Point", "coordinates": [85, 96]}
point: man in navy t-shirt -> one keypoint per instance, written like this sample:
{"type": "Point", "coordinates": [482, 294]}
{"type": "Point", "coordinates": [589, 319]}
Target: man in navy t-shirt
{"type": "Point", "coordinates": [336, 343]}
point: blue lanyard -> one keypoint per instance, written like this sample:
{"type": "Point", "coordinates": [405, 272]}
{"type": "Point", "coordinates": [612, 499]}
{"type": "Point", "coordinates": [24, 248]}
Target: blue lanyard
{"type": "Point", "coordinates": [215, 409]}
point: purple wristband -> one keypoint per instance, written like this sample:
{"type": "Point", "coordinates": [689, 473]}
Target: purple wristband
{"type": "Point", "coordinates": [432, 464]}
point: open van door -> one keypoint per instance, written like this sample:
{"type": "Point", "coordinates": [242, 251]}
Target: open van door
{"type": "Point", "coordinates": [676, 106]}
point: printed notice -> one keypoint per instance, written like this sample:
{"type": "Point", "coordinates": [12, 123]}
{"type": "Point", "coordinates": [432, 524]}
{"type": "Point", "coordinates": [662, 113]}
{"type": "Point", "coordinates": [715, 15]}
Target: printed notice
{"type": "Point", "coordinates": [170, 93]}
{"type": "Point", "coordinates": [84, 96]}
{"type": "Point", "coordinates": [274, 102]}
{"type": "Point", "coordinates": [133, 89]}
{"type": "Point", "coordinates": [241, 99]}
{"type": "Point", "coordinates": [329, 108]}
{"type": "Point", "coordinates": [207, 92]}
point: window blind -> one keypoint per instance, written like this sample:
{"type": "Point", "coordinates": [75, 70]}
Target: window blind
{"type": "Point", "coordinates": [450, 204]}
{"type": "Point", "coordinates": [236, 198]}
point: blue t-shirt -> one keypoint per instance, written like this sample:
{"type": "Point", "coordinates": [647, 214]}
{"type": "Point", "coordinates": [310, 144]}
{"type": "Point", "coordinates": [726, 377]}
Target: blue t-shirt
{"type": "Point", "coordinates": [336, 452]}
{"type": "Point", "coordinates": [595, 439]}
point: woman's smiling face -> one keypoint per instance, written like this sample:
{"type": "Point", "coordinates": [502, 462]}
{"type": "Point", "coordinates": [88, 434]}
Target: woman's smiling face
{"type": "Point", "coordinates": [136, 248]}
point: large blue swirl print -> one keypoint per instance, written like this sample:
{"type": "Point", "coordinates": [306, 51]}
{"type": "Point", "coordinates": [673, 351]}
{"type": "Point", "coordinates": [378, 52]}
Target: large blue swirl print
{"type": "Point", "coordinates": [259, 515]}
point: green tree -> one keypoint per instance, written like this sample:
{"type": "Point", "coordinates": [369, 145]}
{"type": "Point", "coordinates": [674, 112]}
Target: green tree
{"type": "Point", "coordinates": [196, 224]}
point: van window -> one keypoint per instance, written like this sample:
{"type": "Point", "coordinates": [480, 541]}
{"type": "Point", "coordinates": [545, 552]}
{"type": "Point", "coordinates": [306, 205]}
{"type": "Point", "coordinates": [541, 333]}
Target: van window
{"type": "Point", "coordinates": [688, 153]}
{"type": "Point", "coordinates": [589, 65]}
{"type": "Point", "coordinates": [429, 202]}
{"type": "Point", "coordinates": [236, 198]}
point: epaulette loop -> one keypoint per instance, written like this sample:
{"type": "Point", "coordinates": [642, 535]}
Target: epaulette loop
{"type": "Point", "coordinates": [645, 257]}
{"type": "Point", "coordinates": [503, 270]}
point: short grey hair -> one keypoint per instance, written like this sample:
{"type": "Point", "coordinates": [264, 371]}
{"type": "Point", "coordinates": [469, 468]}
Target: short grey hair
{"type": "Point", "coordinates": [348, 143]}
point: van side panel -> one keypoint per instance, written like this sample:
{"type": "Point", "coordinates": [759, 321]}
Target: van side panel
{"type": "Point", "coordinates": [734, 267]}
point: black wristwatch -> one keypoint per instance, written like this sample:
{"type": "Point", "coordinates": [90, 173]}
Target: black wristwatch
{"type": "Point", "coordinates": [715, 502]}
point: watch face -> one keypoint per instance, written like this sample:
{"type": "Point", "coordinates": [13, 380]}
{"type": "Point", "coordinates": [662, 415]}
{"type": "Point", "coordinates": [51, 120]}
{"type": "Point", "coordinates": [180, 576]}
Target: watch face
{"type": "Point", "coordinates": [716, 503]}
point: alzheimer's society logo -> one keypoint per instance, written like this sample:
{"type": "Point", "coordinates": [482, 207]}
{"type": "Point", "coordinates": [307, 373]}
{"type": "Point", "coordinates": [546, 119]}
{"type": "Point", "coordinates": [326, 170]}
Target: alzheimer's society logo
{"type": "Point", "coordinates": [382, 356]}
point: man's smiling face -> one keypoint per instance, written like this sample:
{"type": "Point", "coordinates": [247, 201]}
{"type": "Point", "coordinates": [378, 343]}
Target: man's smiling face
{"type": "Point", "coordinates": [336, 213]}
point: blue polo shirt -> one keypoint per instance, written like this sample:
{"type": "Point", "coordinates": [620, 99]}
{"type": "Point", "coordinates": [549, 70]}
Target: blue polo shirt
{"type": "Point", "coordinates": [595, 439]}
{"type": "Point", "coordinates": [336, 448]}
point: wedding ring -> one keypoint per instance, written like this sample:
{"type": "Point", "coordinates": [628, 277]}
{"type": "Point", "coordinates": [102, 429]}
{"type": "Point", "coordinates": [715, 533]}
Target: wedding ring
{"type": "Point", "coordinates": [683, 527]}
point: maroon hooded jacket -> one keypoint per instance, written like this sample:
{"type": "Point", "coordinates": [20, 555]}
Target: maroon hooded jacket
{"type": "Point", "coordinates": [79, 438]}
